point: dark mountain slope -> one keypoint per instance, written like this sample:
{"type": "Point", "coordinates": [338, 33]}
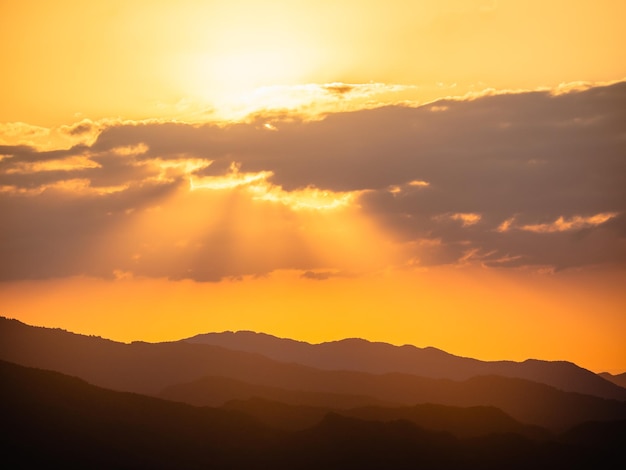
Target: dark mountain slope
{"type": "Point", "coordinates": [525, 401]}
{"type": "Point", "coordinates": [460, 422]}
{"type": "Point", "coordinates": [339, 442]}
{"type": "Point", "coordinates": [215, 391]}
{"type": "Point", "coordinates": [378, 358]}
{"type": "Point", "coordinates": [608, 437]}
{"type": "Point", "coordinates": [55, 421]}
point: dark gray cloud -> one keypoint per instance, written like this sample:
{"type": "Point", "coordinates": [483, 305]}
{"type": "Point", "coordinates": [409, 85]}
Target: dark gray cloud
{"type": "Point", "coordinates": [520, 179]}
{"type": "Point", "coordinates": [324, 275]}
{"type": "Point", "coordinates": [80, 128]}
{"type": "Point", "coordinates": [55, 233]}
{"type": "Point", "coordinates": [339, 89]}
{"type": "Point", "coordinates": [316, 276]}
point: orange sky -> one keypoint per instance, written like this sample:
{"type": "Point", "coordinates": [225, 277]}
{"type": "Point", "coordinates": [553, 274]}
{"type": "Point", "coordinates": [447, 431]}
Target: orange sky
{"type": "Point", "coordinates": [171, 168]}
{"type": "Point", "coordinates": [145, 58]}
{"type": "Point", "coordinates": [465, 311]}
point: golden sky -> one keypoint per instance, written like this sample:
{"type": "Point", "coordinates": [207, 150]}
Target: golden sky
{"type": "Point", "coordinates": [440, 173]}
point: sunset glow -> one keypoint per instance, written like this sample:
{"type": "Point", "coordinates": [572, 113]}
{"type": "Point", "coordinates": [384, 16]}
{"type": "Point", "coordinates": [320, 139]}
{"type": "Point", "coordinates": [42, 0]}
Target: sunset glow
{"type": "Point", "coordinates": [438, 173]}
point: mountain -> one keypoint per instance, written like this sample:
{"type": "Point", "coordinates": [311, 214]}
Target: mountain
{"type": "Point", "coordinates": [380, 358]}
{"type": "Point", "coordinates": [461, 422]}
{"type": "Point", "coordinates": [216, 391]}
{"type": "Point", "coordinates": [151, 368]}
{"type": "Point", "coordinates": [54, 421]}
{"type": "Point", "coordinates": [619, 379]}
{"type": "Point", "coordinates": [526, 401]}
{"type": "Point", "coordinates": [296, 409]}
{"type": "Point", "coordinates": [340, 442]}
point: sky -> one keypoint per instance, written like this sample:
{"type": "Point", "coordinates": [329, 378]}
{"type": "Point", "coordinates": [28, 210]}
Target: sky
{"type": "Point", "coordinates": [437, 173]}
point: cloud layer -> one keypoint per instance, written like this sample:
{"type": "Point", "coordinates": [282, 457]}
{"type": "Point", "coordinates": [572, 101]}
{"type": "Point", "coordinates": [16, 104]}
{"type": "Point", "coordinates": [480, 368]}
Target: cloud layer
{"type": "Point", "coordinates": [513, 179]}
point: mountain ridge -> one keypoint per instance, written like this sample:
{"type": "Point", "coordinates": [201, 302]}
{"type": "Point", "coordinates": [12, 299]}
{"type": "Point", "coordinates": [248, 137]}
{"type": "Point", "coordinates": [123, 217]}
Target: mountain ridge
{"type": "Point", "coordinates": [617, 379]}
{"type": "Point", "coordinates": [60, 421]}
{"type": "Point", "coordinates": [379, 357]}
{"type": "Point", "coordinates": [462, 422]}
{"type": "Point", "coordinates": [149, 368]}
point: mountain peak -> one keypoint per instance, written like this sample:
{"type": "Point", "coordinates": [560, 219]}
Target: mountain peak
{"type": "Point", "coordinates": [381, 358]}
{"type": "Point", "coordinates": [349, 354]}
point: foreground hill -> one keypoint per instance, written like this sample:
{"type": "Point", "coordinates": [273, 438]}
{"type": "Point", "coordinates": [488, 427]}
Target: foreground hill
{"type": "Point", "coordinates": [51, 420]}
{"type": "Point", "coordinates": [152, 368]}
{"type": "Point", "coordinates": [54, 421]}
{"type": "Point", "coordinates": [380, 358]}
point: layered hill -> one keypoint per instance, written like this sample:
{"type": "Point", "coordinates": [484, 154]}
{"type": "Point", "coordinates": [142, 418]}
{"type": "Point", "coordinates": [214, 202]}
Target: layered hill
{"type": "Point", "coordinates": [379, 358]}
{"type": "Point", "coordinates": [526, 401]}
{"type": "Point", "coordinates": [216, 391]}
{"type": "Point", "coordinates": [54, 421]}
{"type": "Point", "coordinates": [183, 371]}
{"type": "Point", "coordinates": [50, 420]}
{"type": "Point", "coordinates": [462, 422]}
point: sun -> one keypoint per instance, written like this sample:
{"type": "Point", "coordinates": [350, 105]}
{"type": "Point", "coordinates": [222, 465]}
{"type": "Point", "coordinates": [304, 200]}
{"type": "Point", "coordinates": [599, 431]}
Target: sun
{"type": "Point", "coordinates": [253, 48]}
{"type": "Point", "coordinates": [239, 71]}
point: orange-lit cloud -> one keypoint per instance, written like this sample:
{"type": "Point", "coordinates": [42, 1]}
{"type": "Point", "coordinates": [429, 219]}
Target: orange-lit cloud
{"type": "Point", "coordinates": [351, 192]}
{"type": "Point", "coordinates": [466, 218]}
{"type": "Point", "coordinates": [573, 223]}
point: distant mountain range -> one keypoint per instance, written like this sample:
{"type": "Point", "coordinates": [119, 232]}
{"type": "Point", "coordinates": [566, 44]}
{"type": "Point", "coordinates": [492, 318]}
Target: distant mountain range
{"type": "Point", "coordinates": [203, 374]}
{"type": "Point", "coordinates": [380, 358]}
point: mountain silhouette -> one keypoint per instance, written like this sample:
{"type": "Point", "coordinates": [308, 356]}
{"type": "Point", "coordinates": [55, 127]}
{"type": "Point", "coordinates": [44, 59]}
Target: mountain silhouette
{"type": "Point", "coordinates": [55, 421]}
{"type": "Point", "coordinates": [459, 421]}
{"type": "Point", "coordinates": [152, 368]}
{"type": "Point", "coordinates": [380, 358]}
{"type": "Point", "coordinates": [526, 401]}
{"type": "Point", "coordinates": [617, 379]}
{"type": "Point", "coordinates": [462, 422]}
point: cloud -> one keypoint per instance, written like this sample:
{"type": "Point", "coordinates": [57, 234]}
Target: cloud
{"type": "Point", "coordinates": [573, 223]}
{"type": "Point", "coordinates": [20, 132]}
{"type": "Point", "coordinates": [466, 219]}
{"type": "Point", "coordinates": [317, 276]}
{"type": "Point", "coordinates": [339, 88]}
{"type": "Point", "coordinates": [324, 275]}
{"type": "Point", "coordinates": [505, 180]}
{"type": "Point", "coordinates": [83, 127]}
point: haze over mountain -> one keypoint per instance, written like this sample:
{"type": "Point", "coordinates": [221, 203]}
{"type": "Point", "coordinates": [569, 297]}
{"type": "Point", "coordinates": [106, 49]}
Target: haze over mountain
{"type": "Point", "coordinates": [50, 419]}
{"type": "Point", "coordinates": [462, 422]}
{"type": "Point", "coordinates": [216, 391]}
{"type": "Point", "coordinates": [376, 357]}
{"type": "Point", "coordinates": [526, 401]}
{"type": "Point", "coordinates": [183, 367]}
